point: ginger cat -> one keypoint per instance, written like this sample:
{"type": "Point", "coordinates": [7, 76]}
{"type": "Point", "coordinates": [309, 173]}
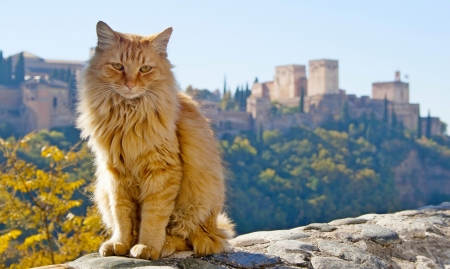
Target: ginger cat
{"type": "Point", "coordinates": [160, 181]}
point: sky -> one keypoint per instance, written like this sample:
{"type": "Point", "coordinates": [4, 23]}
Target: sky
{"type": "Point", "coordinates": [242, 40]}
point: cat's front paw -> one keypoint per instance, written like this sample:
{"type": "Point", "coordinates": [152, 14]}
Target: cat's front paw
{"type": "Point", "coordinates": [112, 248]}
{"type": "Point", "coordinates": [142, 251]}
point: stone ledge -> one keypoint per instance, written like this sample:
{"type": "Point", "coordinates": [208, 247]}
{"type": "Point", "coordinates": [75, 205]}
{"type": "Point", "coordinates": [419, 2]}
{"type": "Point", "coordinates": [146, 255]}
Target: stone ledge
{"type": "Point", "coordinates": [408, 239]}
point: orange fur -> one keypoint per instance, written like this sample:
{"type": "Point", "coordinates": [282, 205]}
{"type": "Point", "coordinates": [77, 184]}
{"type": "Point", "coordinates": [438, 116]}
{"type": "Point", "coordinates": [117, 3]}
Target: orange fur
{"type": "Point", "coordinates": [160, 181]}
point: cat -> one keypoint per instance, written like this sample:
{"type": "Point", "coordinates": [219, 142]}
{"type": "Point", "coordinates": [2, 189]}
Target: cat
{"type": "Point", "coordinates": [160, 180]}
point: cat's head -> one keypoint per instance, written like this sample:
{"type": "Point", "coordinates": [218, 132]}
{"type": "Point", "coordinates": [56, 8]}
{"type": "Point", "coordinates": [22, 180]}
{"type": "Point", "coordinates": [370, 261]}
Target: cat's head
{"type": "Point", "coordinates": [130, 65]}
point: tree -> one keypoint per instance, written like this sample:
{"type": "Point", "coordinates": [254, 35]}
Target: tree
{"type": "Point", "coordinates": [385, 111]}
{"type": "Point", "coordinates": [247, 91]}
{"type": "Point", "coordinates": [428, 130]}
{"type": "Point", "coordinates": [256, 80]}
{"type": "Point", "coordinates": [394, 120]}
{"type": "Point", "coordinates": [19, 71]}
{"type": "Point", "coordinates": [2, 68]}
{"type": "Point", "coordinates": [419, 126]}
{"type": "Point", "coordinates": [72, 90]}
{"type": "Point", "coordinates": [8, 71]}
{"type": "Point", "coordinates": [37, 208]}
{"type": "Point", "coordinates": [224, 85]}
{"type": "Point", "coordinates": [5, 69]}
{"type": "Point", "coordinates": [302, 100]}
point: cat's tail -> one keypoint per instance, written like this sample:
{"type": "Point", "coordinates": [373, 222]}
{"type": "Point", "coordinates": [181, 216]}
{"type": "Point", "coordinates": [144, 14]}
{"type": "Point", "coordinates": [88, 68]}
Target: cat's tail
{"type": "Point", "coordinates": [225, 225]}
{"type": "Point", "coordinates": [212, 236]}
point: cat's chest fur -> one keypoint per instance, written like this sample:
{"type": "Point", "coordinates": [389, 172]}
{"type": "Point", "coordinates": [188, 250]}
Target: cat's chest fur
{"type": "Point", "coordinates": [137, 140]}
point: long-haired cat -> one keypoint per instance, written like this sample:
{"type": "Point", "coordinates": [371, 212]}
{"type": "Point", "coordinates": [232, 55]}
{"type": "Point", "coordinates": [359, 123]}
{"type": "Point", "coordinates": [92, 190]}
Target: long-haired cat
{"type": "Point", "coordinates": [160, 181]}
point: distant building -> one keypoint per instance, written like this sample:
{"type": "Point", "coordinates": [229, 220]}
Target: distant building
{"type": "Point", "coordinates": [323, 100]}
{"type": "Point", "coordinates": [37, 66]}
{"type": "Point", "coordinates": [39, 102]}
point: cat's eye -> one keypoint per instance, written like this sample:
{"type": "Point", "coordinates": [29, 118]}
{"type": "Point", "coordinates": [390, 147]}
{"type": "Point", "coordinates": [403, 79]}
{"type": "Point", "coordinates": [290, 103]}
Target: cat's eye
{"type": "Point", "coordinates": [145, 68]}
{"type": "Point", "coordinates": [117, 66]}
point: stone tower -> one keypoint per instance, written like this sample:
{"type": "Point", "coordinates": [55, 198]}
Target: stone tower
{"type": "Point", "coordinates": [323, 77]}
{"type": "Point", "coordinates": [396, 91]}
{"type": "Point", "coordinates": [288, 81]}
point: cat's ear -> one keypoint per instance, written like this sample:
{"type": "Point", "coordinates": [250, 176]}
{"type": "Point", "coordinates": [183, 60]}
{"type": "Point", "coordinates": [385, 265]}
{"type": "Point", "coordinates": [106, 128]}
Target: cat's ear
{"type": "Point", "coordinates": [161, 40]}
{"type": "Point", "coordinates": [106, 36]}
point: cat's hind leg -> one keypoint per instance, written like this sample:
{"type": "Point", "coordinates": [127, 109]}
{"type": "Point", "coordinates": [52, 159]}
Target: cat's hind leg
{"type": "Point", "coordinates": [173, 244]}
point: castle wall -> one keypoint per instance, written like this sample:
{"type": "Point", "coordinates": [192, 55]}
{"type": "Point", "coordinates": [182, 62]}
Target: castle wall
{"type": "Point", "coordinates": [323, 77]}
{"type": "Point", "coordinates": [10, 107]}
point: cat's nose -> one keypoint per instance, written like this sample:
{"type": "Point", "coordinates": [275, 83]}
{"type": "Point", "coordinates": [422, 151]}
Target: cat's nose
{"type": "Point", "coordinates": [130, 85]}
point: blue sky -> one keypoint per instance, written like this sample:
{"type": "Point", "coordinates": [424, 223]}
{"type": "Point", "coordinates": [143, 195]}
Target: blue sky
{"type": "Point", "coordinates": [247, 39]}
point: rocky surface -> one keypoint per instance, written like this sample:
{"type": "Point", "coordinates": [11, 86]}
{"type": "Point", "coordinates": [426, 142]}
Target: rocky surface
{"type": "Point", "coordinates": [413, 239]}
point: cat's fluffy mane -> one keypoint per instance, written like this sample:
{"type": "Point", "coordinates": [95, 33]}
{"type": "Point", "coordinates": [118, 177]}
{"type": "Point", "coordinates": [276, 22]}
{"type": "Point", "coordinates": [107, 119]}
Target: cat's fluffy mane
{"type": "Point", "coordinates": [156, 156]}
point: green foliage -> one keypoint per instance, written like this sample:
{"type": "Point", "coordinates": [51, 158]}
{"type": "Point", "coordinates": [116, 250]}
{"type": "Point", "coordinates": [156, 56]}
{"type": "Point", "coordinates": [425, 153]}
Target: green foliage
{"type": "Point", "coordinates": [38, 207]}
{"type": "Point", "coordinates": [5, 70]}
{"type": "Point", "coordinates": [278, 109]}
{"type": "Point", "coordinates": [301, 107]}
{"type": "Point", "coordinates": [303, 176]}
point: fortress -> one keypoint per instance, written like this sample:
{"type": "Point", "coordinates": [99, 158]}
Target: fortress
{"type": "Point", "coordinates": [43, 103]}
{"type": "Point", "coordinates": [321, 99]}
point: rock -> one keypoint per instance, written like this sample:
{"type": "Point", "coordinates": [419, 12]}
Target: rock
{"type": "Point", "coordinates": [443, 206]}
{"type": "Point", "coordinates": [294, 252]}
{"type": "Point", "coordinates": [97, 261]}
{"type": "Point", "coordinates": [197, 264]}
{"type": "Point", "coordinates": [381, 235]}
{"type": "Point", "coordinates": [334, 263]}
{"type": "Point", "coordinates": [425, 263]}
{"type": "Point", "coordinates": [352, 253]}
{"type": "Point", "coordinates": [246, 260]}
{"type": "Point", "coordinates": [323, 227]}
{"type": "Point", "coordinates": [267, 237]}
{"type": "Point", "coordinates": [408, 213]}
{"type": "Point", "coordinates": [348, 221]}
{"type": "Point", "coordinates": [413, 239]}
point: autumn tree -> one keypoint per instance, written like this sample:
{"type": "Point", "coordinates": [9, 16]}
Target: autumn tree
{"type": "Point", "coordinates": [37, 208]}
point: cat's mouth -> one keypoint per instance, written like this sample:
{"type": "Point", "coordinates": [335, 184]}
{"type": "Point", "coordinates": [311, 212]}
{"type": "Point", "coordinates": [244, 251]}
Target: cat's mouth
{"type": "Point", "coordinates": [128, 94]}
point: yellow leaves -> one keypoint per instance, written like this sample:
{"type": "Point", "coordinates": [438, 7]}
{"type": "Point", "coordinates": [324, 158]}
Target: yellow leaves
{"type": "Point", "coordinates": [37, 200]}
{"type": "Point", "coordinates": [31, 241]}
{"type": "Point", "coordinates": [71, 186]}
{"type": "Point", "coordinates": [52, 152]}
{"type": "Point", "coordinates": [5, 238]}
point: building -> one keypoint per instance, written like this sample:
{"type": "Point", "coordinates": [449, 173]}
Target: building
{"type": "Point", "coordinates": [39, 102]}
{"type": "Point", "coordinates": [324, 100]}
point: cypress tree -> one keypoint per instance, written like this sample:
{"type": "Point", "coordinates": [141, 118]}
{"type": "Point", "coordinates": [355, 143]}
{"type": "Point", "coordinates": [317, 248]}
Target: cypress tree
{"type": "Point", "coordinates": [19, 71]}
{"type": "Point", "coordinates": [247, 91]}
{"type": "Point", "coordinates": [2, 68]}
{"type": "Point", "coordinates": [8, 71]}
{"type": "Point", "coordinates": [72, 91]}
{"type": "Point", "coordinates": [428, 131]}
{"type": "Point", "coordinates": [224, 85]}
{"type": "Point", "coordinates": [386, 111]}
{"type": "Point", "coordinates": [256, 80]}
{"type": "Point", "coordinates": [237, 95]}
{"type": "Point", "coordinates": [302, 101]}
{"type": "Point", "coordinates": [394, 119]}
{"type": "Point", "coordinates": [419, 126]}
